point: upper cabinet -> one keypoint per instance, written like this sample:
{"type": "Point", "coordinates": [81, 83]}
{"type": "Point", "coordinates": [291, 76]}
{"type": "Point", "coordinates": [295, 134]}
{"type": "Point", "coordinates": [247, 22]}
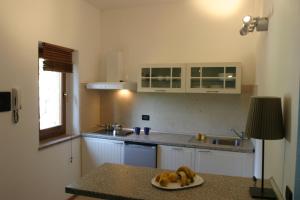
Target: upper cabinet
{"type": "Point", "coordinates": [191, 78]}
{"type": "Point", "coordinates": [162, 78]}
{"type": "Point", "coordinates": [214, 78]}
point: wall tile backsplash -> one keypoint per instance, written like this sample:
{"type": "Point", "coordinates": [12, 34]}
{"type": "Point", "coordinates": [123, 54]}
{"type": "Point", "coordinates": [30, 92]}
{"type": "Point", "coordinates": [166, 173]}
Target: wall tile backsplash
{"type": "Point", "coordinates": [212, 114]}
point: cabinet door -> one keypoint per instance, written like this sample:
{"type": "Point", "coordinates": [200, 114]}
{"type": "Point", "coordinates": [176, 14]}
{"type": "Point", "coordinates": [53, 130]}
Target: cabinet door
{"type": "Point", "coordinates": [162, 78]}
{"type": "Point", "coordinates": [89, 158]}
{"type": "Point", "coordinates": [111, 151]}
{"type": "Point", "coordinates": [170, 157]}
{"type": "Point", "coordinates": [214, 78]}
{"type": "Point", "coordinates": [97, 151]}
{"type": "Point", "coordinates": [224, 163]}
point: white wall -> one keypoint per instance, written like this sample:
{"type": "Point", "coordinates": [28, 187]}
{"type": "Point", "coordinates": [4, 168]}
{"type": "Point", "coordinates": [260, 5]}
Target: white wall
{"type": "Point", "coordinates": [278, 75]}
{"type": "Point", "coordinates": [183, 31]}
{"type": "Point", "coordinates": [25, 172]}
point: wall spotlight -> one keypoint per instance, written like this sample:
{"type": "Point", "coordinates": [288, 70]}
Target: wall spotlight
{"type": "Point", "coordinates": [254, 23]}
{"type": "Point", "coordinates": [247, 19]}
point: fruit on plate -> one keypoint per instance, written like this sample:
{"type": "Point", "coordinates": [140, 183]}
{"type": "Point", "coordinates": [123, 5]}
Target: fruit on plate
{"type": "Point", "coordinates": [163, 179]}
{"type": "Point", "coordinates": [189, 173]}
{"type": "Point", "coordinates": [183, 176]}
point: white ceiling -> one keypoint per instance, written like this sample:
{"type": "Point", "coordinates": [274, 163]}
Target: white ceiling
{"type": "Point", "coordinates": [113, 4]}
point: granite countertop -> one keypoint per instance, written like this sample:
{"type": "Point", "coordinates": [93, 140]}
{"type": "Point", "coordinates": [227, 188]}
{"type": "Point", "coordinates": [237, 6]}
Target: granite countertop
{"type": "Point", "coordinates": [113, 181]}
{"type": "Point", "coordinates": [180, 140]}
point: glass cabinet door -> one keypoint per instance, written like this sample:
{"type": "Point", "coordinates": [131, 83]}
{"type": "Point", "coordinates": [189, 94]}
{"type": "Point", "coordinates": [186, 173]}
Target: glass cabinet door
{"type": "Point", "coordinates": [213, 83]}
{"type": "Point", "coordinates": [214, 78]}
{"type": "Point", "coordinates": [160, 72]}
{"type": "Point", "coordinates": [195, 80]}
{"type": "Point", "coordinates": [176, 77]}
{"type": "Point", "coordinates": [213, 72]}
{"type": "Point", "coordinates": [230, 77]}
{"type": "Point", "coordinates": [160, 82]}
{"type": "Point", "coordinates": [160, 77]}
{"type": "Point", "coordinates": [166, 78]}
{"type": "Point", "coordinates": [145, 82]}
{"type": "Point", "coordinates": [230, 72]}
{"type": "Point", "coordinates": [145, 77]}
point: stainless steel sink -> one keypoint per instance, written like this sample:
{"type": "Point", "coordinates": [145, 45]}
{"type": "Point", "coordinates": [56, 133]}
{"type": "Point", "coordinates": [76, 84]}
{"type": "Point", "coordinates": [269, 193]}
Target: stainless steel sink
{"type": "Point", "coordinates": [218, 141]}
{"type": "Point", "coordinates": [225, 141]}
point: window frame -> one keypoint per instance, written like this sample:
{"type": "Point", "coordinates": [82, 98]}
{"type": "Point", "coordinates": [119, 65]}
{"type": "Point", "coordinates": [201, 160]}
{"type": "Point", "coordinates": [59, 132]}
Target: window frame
{"type": "Point", "coordinates": [56, 130]}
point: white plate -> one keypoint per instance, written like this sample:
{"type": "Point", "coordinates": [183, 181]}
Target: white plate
{"type": "Point", "coordinates": [198, 180]}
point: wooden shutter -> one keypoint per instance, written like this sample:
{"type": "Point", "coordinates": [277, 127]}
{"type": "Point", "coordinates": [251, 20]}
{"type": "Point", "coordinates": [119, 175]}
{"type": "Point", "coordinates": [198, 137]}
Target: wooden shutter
{"type": "Point", "coordinates": [56, 58]}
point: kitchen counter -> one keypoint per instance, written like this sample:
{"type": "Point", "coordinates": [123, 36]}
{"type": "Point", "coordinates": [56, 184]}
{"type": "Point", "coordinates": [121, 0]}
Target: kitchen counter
{"type": "Point", "coordinates": [112, 181]}
{"type": "Point", "coordinates": [180, 140]}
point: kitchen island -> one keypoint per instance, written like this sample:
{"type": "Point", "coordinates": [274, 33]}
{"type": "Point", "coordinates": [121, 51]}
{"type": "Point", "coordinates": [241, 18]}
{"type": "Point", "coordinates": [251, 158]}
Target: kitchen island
{"type": "Point", "coordinates": [123, 182]}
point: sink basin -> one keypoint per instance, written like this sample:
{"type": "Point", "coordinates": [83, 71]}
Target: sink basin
{"type": "Point", "coordinates": [218, 141]}
{"type": "Point", "coordinates": [229, 142]}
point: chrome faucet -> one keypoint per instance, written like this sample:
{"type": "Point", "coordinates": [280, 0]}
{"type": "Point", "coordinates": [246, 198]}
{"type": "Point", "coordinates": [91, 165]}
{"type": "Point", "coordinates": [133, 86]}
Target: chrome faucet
{"type": "Point", "coordinates": [239, 134]}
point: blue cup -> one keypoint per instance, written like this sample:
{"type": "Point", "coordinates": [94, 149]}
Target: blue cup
{"type": "Point", "coordinates": [137, 130]}
{"type": "Point", "coordinates": [147, 130]}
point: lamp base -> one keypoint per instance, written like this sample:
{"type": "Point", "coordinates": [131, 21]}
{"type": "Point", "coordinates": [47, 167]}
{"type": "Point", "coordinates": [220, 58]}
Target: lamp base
{"type": "Point", "coordinates": [267, 193]}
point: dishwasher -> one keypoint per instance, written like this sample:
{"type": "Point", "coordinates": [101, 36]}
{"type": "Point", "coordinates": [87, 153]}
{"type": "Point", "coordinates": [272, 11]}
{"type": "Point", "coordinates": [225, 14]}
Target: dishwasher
{"type": "Point", "coordinates": [140, 154]}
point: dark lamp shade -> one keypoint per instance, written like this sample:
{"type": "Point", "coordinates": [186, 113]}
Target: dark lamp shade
{"type": "Point", "coordinates": [265, 119]}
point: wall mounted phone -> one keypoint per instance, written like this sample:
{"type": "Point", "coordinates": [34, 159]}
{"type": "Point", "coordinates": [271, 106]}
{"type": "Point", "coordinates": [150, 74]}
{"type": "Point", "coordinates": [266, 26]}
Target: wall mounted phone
{"type": "Point", "coordinates": [15, 104]}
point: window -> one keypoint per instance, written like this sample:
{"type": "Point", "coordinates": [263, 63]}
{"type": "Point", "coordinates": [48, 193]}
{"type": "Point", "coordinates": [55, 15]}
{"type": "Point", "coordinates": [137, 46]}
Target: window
{"type": "Point", "coordinates": [54, 63]}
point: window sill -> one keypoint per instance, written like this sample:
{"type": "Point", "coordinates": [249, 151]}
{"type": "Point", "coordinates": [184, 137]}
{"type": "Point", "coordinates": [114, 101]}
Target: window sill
{"type": "Point", "coordinates": [57, 140]}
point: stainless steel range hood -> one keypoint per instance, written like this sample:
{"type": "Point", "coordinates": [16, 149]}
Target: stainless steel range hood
{"type": "Point", "coordinates": [112, 86]}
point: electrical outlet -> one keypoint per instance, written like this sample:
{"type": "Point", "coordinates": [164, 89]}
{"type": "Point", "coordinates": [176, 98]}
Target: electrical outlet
{"type": "Point", "coordinates": [146, 117]}
{"type": "Point", "coordinates": [288, 193]}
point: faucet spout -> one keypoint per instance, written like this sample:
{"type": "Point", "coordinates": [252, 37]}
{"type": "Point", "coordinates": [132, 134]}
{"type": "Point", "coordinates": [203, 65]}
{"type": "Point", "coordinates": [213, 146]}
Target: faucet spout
{"type": "Point", "coordinates": [239, 134]}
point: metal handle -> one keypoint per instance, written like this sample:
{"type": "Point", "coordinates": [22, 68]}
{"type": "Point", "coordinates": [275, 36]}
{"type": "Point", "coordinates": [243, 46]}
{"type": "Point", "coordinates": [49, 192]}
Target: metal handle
{"type": "Point", "coordinates": [215, 91]}
{"type": "Point", "coordinates": [160, 90]}
{"type": "Point", "coordinates": [204, 151]}
{"type": "Point", "coordinates": [117, 142]}
{"type": "Point", "coordinates": [140, 146]}
{"type": "Point", "coordinates": [177, 149]}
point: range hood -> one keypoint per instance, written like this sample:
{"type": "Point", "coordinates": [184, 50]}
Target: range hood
{"type": "Point", "coordinates": [114, 74]}
{"type": "Point", "coordinates": [112, 86]}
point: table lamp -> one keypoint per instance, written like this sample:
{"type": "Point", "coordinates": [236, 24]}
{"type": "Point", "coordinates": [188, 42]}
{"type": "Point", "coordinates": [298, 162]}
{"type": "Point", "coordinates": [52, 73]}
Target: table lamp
{"type": "Point", "coordinates": [264, 122]}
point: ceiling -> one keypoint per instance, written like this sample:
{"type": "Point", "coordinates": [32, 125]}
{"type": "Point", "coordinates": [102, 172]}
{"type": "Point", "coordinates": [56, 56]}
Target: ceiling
{"type": "Point", "coordinates": [114, 4]}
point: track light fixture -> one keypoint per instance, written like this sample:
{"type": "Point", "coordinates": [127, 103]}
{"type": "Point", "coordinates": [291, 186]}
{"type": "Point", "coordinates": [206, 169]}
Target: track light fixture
{"type": "Point", "coordinates": [254, 23]}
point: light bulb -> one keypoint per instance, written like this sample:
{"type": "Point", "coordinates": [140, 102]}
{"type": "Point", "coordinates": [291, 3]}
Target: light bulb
{"type": "Point", "coordinates": [247, 19]}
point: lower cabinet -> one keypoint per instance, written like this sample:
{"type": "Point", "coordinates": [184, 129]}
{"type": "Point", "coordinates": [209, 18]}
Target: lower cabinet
{"type": "Point", "coordinates": [206, 161]}
{"type": "Point", "coordinates": [97, 151]}
{"type": "Point", "coordinates": [224, 162]}
{"type": "Point", "coordinates": [171, 157]}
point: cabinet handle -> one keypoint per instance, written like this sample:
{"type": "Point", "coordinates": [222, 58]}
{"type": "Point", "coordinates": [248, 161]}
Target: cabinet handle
{"type": "Point", "coordinates": [177, 149]}
{"type": "Point", "coordinates": [215, 91]}
{"type": "Point", "coordinates": [160, 90]}
{"type": "Point", "coordinates": [203, 151]}
{"type": "Point", "coordinates": [117, 142]}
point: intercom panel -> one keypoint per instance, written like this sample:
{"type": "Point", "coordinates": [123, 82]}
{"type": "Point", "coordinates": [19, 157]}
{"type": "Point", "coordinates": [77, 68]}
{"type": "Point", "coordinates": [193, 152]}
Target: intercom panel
{"type": "Point", "coordinates": [5, 101]}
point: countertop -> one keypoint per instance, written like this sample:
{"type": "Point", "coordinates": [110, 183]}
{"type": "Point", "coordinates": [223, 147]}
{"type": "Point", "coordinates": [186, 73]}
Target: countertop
{"type": "Point", "coordinates": [115, 182]}
{"type": "Point", "coordinates": [180, 140]}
